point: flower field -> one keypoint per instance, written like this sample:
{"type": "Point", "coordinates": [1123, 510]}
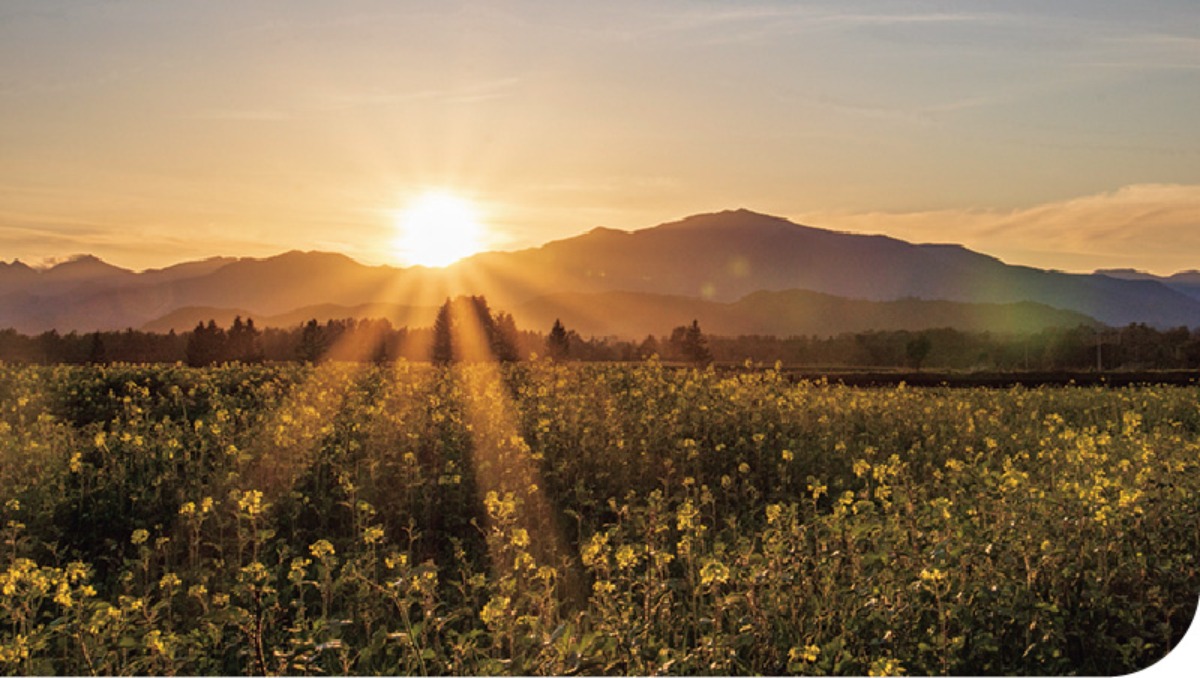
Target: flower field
{"type": "Point", "coordinates": [542, 518]}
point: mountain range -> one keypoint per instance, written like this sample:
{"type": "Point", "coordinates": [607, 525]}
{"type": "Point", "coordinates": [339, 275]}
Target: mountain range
{"type": "Point", "coordinates": [738, 272]}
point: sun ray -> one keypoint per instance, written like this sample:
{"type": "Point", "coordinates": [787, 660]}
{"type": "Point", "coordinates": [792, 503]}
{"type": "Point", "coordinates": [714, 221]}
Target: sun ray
{"type": "Point", "coordinates": [437, 229]}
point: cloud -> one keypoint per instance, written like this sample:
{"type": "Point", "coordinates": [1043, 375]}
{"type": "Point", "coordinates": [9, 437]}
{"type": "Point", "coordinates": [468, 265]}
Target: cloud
{"type": "Point", "coordinates": [1153, 227]}
{"type": "Point", "coordinates": [43, 240]}
{"type": "Point", "coordinates": [244, 114]}
{"type": "Point", "coordinates": [464, 93]}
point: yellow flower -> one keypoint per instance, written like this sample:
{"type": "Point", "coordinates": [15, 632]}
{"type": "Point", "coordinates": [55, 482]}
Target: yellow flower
{"type": "Point", "coordinates": [62, 595]}
{"type": "Point", "coordinates": [808, 654]}
{"type": "Point", "coordinates": [168, 581]}
{"type": "Point", "coordinates": [603, 588]}
{"type": "Point", "coordinates": [321, 548]}
{"type": "Point", "coordinates": [932, 576]}
{"type": "Point", "coordinates": [373, 534]}
{"type": "Point", "coordinates": [298, 570]}
{"type": "Point", "coordinates": [520, 538]}
{"type": "Point", "coordinates": [773, 512]}
{"type": "Point", "coordinates": [686, 515]}
{"type": "Point", "coordinates": [154, 642]}
{"type": "Point", "coordinates": [714, 572]}
{"type": "Point", "coordinates": [523, 561]}
{"type": "Point", "coordinates": [139, 536]}
{"type": "Point", "coordinates": [188, 508]}
{"type": "Point", "coordinates": [494, 610]}
{"type": "Point", "coordinates": [886, 666]}
{"type": "Point", "coordinates": [594, 551]}
{"type": "Point", "coordinates": [251, 503]}
{"type": "Point", "coordinates": [626, 557]}
{"type": "Point", "coordinates": [76, 570]}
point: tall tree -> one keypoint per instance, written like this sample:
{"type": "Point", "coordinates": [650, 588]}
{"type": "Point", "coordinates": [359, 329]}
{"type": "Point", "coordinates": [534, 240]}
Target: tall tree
{"type": "Point", "coordinates": [648, 347]}
{"type": "Point", "coordinates": [313, 342]}
{"type": "Point", "coordinates": [244, 341]}
{"type": "Point", "coordinates": [206, 345]}
{"type": "Point", "coordinates": [443, 339]}
{"type": "Point", "coordinates": [96, 353]}
{"type": "Point", "coordinates": [505, 339]}
{"type": "Point", "coordinates": [917, 350]}
{"type": "Point", "coordinates": [557, 344]}
{"type": "Point", "coordinates": [695, 345]}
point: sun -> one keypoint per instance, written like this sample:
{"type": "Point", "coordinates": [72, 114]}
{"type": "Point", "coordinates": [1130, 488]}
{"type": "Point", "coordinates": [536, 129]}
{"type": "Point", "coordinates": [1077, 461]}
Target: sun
{"type": "Point", "coordinates": [437, 229]}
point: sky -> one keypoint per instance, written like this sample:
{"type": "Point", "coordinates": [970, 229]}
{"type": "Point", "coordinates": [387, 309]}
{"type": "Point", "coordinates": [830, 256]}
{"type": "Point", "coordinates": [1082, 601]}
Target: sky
{"type": "Point", "coordinates": [1060, 135]}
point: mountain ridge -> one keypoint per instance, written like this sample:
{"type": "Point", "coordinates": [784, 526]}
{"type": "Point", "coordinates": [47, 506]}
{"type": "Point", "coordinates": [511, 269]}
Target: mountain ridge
{"type": "Point", "coordinates": [632, 315]}
{"type": "Point", "coordinates": [717, 257]}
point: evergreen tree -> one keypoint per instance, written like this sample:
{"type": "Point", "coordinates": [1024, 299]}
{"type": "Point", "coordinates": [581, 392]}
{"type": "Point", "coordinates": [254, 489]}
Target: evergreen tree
{"type": "Point", "coordinates": [917, 350]}
{"type": "Point", "coordinates": [206, 345]}
{"type": "Point", "coordinates": [557, 344]}
{"type": "Point", "coordinates": [244, 341]}
{"type": "Point", "coordinates": [694, 346]}
{"type": "Point", "coordinates": [649, 347]}
{"type": "Point", "coordinates": [504, 342]}
{"type": "Point", "coordinates": [312, 342]}
{"type": "Point", "coordinates": [96, 353]}
{"type": "Point", "coordinates": [443, 341]}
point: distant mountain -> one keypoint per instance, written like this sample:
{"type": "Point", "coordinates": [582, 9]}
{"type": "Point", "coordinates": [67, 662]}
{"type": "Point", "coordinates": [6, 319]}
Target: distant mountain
{"type": "Point", "coordinates": [727, 255]}
{"type": "Point", "coordinates": [636, 314]}
{"type": "Point", "coordinates": [16, 275]}
{"type": "Point", "coordinates": [185, 319]}
{"type": "Point", "coordinates": [719, 258]}
{"type": "Point", "coordinates": [782, 313]}
{"type": "Point", "coordinates": [191, 269]}
{"type": "Point", "coordinates": [1186, 282]}
{"type": "Point", "coordinates": [399, 315]}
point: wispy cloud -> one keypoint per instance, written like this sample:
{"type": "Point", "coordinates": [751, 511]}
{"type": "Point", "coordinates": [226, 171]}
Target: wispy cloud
{"type": "Point", "coordinates": [748, 22]}
{"type": "Point", "coordinates": [244, 114]}
{"type": "Point", "coordinates": [464, 93]}
{"type": "Point", "coordinates": [1153, 227]}
{"type": "Point", "coordinates": [1145, 51]}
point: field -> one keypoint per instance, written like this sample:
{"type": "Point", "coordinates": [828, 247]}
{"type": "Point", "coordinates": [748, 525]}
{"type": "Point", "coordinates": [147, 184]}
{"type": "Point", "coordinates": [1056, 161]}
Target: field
{"type": "Point", "coordinates": [595, 518]}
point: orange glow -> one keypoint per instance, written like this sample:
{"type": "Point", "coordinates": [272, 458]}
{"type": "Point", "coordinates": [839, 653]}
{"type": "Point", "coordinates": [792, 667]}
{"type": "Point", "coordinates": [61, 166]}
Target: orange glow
{"type": "Point", "coordinates": [437, 229]}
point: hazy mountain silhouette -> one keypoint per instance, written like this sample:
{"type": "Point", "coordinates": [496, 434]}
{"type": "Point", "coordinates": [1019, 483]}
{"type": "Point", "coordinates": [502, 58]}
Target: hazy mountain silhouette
{"type": "Point", "coordinates": [399, 315]}
{"type": "Point", "coordinates": [727, 255]}
{"type": "Point", "coordinates": [1187, 282]}
{"type": "Point", "coordinates": [635, 314]}
{"type": "Point", "coordinates": [782, 313]}
{"type": "Point", "coordinates": [719, 258]}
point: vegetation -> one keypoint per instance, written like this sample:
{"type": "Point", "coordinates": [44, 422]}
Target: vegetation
{"type": "Point", "coordinates": [543, 517]}
{"type": "Point", "coordinates": [1134, 347]}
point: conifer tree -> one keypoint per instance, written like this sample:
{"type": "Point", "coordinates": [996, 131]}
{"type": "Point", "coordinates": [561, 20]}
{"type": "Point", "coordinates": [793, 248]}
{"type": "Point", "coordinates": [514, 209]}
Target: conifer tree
{"type": "Point", "coordinates": [443, 329]}
{"type": "Point", "coordinates": [557, 344]}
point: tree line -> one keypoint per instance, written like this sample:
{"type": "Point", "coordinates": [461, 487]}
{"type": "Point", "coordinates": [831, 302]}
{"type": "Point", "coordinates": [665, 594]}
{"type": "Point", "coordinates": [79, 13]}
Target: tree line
{"type": "Point", "coordinates": [467, 329]}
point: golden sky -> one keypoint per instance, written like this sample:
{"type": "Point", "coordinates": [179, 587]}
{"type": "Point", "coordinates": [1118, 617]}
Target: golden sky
{"type": "Point", "coordinates": [1059, 135]}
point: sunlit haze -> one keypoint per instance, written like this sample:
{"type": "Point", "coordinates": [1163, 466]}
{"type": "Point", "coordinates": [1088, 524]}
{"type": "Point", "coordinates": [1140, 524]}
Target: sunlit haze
{"type": "Point", "coordinates": [1056, 134]}
{"type": "Point", "coordinates": [437, 229]}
